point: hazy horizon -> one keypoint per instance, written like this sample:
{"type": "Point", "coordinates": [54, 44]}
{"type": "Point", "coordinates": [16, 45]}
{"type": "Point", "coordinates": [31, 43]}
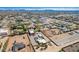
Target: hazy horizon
{"type": "Point", "coordinates": [42, 8]}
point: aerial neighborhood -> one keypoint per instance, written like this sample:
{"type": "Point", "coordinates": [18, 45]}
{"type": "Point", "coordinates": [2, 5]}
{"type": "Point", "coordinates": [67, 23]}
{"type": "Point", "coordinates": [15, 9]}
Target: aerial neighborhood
{"type": "Point", "coordinates": [39, 31]}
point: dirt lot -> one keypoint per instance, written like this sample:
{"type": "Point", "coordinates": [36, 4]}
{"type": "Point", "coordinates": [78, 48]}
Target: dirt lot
{"type": "Point", "coordinates": [63, 39]}
{"type": "Point", "coordinates": [20, 39]}
{"type": "Point", "coordinates": [72, 48]}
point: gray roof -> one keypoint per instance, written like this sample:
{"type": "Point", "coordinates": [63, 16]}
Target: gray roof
{"type": "Point", "coordinates": [17, 46]}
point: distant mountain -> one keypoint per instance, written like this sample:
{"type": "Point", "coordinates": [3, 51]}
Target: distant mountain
{"type": "Point", "coordinates": [39, 9]}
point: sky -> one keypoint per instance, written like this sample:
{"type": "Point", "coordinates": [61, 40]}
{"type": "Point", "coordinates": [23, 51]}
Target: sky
{"type": "Point", "coordinates": [39, 3]}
